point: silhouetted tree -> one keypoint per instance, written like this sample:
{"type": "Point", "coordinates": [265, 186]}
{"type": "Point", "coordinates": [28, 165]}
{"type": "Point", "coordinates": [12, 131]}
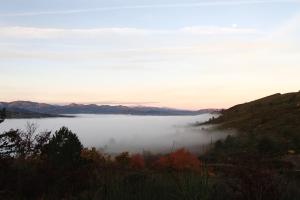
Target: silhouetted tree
{"type": "Point", "coordinates": [2, 115]}
{"type": "Point", "coordinates": [41, 140]}
{"type": "Point", "coordinates": [9, 143]}
{"type": "Point", "coordinates": [64, 148]}
{"type": "Point", "coordinates": [8, 140]}
{"type": "Point", "coordinates": [30, 143]}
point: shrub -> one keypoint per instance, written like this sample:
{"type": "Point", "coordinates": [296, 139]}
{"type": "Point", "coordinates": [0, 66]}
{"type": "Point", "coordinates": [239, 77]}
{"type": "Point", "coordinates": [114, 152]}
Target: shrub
{"type": "Point", "coordinates": [123, 159]}
{"type": "Point", "coordinates": [137, 161]}
{"type": "Point", "coordinates": [179, 160]}
{"type": "Point", "coordinates": [92, 155]}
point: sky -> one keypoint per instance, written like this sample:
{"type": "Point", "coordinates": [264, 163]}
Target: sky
{"type": "Point", "coordinates": [170, 53]}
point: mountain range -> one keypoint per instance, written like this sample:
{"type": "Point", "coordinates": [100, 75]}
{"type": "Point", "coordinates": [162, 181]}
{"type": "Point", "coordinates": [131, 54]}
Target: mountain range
{"type": "Point", "coordinates": [28, 109]}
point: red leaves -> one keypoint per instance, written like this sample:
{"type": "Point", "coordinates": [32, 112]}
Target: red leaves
{"type": "Point", "coordinates": [137, 161]}
{"type": "Point", "coordinates": [179, 160]}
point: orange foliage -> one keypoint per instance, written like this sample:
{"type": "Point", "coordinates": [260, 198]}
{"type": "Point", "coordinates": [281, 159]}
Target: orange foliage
{"type": "Point", "coordinates": [137, 161]}
{"type": "Point", "coordinates": [179, 160]}
{"type": "Point", "coordinates": [92, 155]}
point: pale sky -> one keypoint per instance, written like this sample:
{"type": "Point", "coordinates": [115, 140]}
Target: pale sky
{"type": "Point", "coordinates": [182, 54]}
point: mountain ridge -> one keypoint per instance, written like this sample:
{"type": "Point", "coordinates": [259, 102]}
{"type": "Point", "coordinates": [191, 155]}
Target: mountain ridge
{"type": "Point", "coordinates": [73, 108]}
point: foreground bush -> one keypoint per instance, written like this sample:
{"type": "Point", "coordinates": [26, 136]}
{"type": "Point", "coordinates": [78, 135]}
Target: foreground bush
{"type": "Point", "coordinates": [179, 160]}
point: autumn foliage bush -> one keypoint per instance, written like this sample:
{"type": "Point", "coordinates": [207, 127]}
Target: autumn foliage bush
{"type": "Point", "coordinates": [123, 159]}
{"type": "Point", "coordinates": [179, 160]}
{"type": "Point", "coordinates": [92, 155]}
{"type": "Point", "coordinates": [137, 161]}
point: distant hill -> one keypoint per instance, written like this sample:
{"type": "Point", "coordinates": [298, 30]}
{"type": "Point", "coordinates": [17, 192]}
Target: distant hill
{"type": "Point", "coordinates": [15, 113]}
{"type": "Point", "coordinates": [35, 108]}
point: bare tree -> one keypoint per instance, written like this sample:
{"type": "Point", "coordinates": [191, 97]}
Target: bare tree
{"type": "Point", "coordinates": [31, 142]}
{"type": "Point", "coordinates": [22, 143]}
{"type": "Point", "coordinates": [8, 140]}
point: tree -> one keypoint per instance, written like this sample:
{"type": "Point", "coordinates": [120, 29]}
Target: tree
{"type": "Point", "coordinates": [8, 140]}
{"type": "Point", "coordinates": [23, 144]}
{"type": "Point", "coordinates": [2, 115]}
{"type": "Point", "coordinates": [64, 148]}
{"type": "Point", "coordinates": [123, 159]}
{"type": "Point", "coordinates": [26, 144]}
{"type": "Point", "coordinates": [31, 143]}
{"type": "Point", "coordinates": [92, 156]}
{"type": "Point", "coordinates": [9, 143]}
{"type": "Point", "coordinates": [137, 161]}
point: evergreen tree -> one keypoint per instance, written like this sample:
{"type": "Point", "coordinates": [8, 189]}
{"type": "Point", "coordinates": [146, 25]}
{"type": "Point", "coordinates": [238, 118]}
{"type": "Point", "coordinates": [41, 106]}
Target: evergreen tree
{"type": "Point", "coordinates": [64, 148]}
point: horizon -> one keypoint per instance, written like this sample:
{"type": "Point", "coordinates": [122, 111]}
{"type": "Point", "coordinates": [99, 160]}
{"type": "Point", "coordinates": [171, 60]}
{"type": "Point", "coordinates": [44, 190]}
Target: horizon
{"type": "Point", "coordinates": [191, 55]}
{"type": "Point", "coordinates": [141, 104]}
{"type": "Point", "coordinates": [128, 104]}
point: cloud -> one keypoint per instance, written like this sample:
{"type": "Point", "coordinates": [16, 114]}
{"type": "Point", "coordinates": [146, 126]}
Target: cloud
{"type": "Point", "coordinates": [136, 48]}
{"type": "Point", "coordinates": [290, 30]}
{"type": "Point", "coordinates": [180, 5]}
{"type": "Point", "coordinates": [44, 33]}
{"type": "Point", "coordinates": [215, 30]}
{"type": "Point", "coordinates": [130, 45]}
{"type": "Point", "coordinates": [48, 33]}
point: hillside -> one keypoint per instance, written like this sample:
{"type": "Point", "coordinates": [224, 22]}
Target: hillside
{"type": "Point", "coordinates": [275, 113]}
{"type": "Point", "coordinates": [15, 113]}
{"type": "Point", "coordinates": [268, 126]}
{"type": "Point", "coordinates": [95, 109]}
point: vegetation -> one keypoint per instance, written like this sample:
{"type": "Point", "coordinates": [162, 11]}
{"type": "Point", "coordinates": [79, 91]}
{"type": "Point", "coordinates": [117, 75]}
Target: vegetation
{"type": "Point", "coordinates": [258, 163]}
{"type": "Point", "coordinates": [44, 166]}
{"type": "Point", "coordinates": [278, 112]}
{"type": "Point", "coordinates": [261, 160]}
{"type": "Point", "coordinates": [269, 126]}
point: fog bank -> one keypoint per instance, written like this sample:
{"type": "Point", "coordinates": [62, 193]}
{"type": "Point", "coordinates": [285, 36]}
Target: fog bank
{"type": "Point", "coordinates": [118, 133]}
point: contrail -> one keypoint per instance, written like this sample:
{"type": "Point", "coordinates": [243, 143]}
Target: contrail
{"type": "Point", "coordinates": [201, 4]}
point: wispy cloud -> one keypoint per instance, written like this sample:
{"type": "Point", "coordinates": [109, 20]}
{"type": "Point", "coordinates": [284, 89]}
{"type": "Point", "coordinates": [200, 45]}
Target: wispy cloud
{"type": "Point", "coordinates": [43, 33]}
{"type": "Point", "coordinates": [179, 5]}
{"type": "Point", "coordinates": [215, 30]}
{"type": "Point", "coordinates": [48, 33]}
{"type": "Point", "coordinates": [290, 30]}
